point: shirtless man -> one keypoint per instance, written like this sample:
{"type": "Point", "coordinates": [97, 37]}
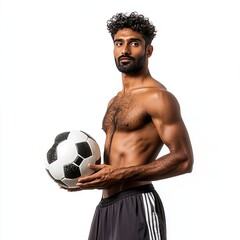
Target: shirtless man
{"type": "Point", "coordinates": [139, 120]}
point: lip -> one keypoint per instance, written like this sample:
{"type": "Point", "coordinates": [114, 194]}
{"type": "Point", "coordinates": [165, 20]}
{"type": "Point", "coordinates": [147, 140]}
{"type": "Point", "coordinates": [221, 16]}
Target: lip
{"type": "Point", "coordinates": [124, 59]}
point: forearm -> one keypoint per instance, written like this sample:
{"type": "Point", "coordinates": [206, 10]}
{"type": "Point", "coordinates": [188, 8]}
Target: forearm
{"type": "Point", "coordinates": [107, 176]}
{"type": "Point", "coordinates": [167, 166]}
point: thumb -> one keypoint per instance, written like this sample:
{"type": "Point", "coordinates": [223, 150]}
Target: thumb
{"type": "Point", "coordinates": [95, 167]}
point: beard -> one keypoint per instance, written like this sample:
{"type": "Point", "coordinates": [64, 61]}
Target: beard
{"type": "Point", "coordinates": [132, 66]}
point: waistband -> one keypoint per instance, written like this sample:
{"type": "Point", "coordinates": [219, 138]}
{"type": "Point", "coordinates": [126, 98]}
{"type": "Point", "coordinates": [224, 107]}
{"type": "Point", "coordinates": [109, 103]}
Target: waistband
{"type": "Point", "coordinates": [126, 193]}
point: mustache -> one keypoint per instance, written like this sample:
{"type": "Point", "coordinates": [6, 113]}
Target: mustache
{"type": "Point", "coordinates": [125, 58]}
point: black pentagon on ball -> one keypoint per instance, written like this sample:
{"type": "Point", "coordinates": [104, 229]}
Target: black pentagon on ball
{"type": "Point", "coordinates": [84, 149]}
{"type": "Point", "coordinates": [52, 154]}
{"type": "Point", "coordinates": [61, 137]}
{"type": "Point", "coordinates": [71, 171]}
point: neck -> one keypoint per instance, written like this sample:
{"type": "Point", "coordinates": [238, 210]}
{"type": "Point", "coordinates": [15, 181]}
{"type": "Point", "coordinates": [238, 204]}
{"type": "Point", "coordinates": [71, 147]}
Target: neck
{"type": "Point", "coordinates": [134, 80]}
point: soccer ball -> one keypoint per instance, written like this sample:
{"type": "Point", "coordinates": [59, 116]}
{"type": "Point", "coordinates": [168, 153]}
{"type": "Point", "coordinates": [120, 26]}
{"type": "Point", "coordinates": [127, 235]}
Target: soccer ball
{"type": "Point", "coordinates": [69, 156]}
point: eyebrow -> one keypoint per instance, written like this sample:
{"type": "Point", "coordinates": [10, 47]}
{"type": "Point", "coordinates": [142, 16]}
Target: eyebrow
{"type": "Point", "coordinates": [128, 39]}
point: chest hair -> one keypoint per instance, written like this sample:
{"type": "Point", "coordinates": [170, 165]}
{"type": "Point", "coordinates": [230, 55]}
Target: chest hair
{"type": "Point", "coordinates": [125, 113]}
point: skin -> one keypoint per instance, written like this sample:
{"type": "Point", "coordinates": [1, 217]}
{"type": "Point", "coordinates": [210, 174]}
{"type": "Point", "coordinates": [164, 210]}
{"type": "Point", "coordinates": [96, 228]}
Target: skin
{"type": "Point", "coordinates": [139, 120]}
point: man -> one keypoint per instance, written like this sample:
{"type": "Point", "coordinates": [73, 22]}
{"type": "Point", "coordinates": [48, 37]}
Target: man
{"type": "Point", "coordinates": [139, 120]}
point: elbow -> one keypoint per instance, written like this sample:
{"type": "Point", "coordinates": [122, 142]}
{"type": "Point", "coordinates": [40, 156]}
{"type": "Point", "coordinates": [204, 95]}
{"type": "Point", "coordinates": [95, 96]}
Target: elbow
{"type": "Point", "coordinates": [189, 167]}
{"type": "Point", "coordinates": [187, 164]}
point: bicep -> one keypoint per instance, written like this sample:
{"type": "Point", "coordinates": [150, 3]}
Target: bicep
{"type": "Point", "coordinates": [166, 116]}
{"type": "Point", "coordinates": [174, 135]}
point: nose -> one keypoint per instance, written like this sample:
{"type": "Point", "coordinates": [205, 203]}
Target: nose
{"type": "Point", "coordinates": [126, 50]}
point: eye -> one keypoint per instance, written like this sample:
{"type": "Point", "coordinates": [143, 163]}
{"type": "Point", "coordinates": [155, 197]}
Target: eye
{"type": "Point", "coordinates": [134, 44]}
{"type": "Point", "coordinates": [118, 44]}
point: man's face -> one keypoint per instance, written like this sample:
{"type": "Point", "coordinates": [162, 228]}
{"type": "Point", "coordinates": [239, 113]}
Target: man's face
{"type": "Point", "coordinates": [129, 50]}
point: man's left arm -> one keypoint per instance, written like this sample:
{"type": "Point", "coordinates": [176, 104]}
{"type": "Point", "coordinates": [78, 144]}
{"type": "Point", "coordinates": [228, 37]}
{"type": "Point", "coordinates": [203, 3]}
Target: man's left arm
{"type": "Point", "coordinates": [165, 112]}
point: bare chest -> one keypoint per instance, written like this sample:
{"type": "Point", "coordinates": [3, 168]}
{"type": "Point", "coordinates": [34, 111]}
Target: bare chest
{"type": "Point", "coordinates": [125, 113]}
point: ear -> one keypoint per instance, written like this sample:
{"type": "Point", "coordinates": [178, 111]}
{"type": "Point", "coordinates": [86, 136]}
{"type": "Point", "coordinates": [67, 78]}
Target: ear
{"type": "Point", "coordinates": [149, 50]}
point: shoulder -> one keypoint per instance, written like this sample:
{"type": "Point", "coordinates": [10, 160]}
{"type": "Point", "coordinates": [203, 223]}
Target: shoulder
{"type": "Point", "coordinates": [158, 94]}
{"type": "Point", "coordinates": [161, 95]}
{"type": "Point", "coordinates": [161, 103]}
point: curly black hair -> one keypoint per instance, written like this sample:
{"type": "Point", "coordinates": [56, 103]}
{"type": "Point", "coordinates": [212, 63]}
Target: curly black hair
{"type": "Point", "coordinates": [137, 22]}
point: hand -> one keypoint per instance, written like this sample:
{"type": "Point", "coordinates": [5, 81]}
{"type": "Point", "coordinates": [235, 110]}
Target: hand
{"type": "Point", "coordinates": [105, 176]}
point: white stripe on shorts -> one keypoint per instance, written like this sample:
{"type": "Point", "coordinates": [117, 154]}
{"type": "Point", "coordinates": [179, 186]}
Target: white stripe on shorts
{"type": "Point", "coordinates": [151, 216]}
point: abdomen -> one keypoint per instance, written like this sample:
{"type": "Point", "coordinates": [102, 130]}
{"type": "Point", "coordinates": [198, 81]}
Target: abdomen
{"type": "Point", "coordinates": [134, 148]}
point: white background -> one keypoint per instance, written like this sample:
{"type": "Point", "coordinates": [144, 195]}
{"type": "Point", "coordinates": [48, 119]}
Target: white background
{"type": "Point", "coordinates": [57, 73]}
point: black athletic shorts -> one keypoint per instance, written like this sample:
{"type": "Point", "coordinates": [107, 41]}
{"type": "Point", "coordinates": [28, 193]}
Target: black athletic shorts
{"type": "Point", "coordinates": [133, 214]}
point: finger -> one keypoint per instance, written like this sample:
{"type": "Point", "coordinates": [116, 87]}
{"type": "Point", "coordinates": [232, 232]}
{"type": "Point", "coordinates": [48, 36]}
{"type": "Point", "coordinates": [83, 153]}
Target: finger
{"type": "Point", "coordinates": [74, 189]}
{"type": "Point", "coordinates": [84, 186]}
{"type": "Point", "coordinates": [95, 167]}
{"type": "Point", "coordinates": [86, 179]}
